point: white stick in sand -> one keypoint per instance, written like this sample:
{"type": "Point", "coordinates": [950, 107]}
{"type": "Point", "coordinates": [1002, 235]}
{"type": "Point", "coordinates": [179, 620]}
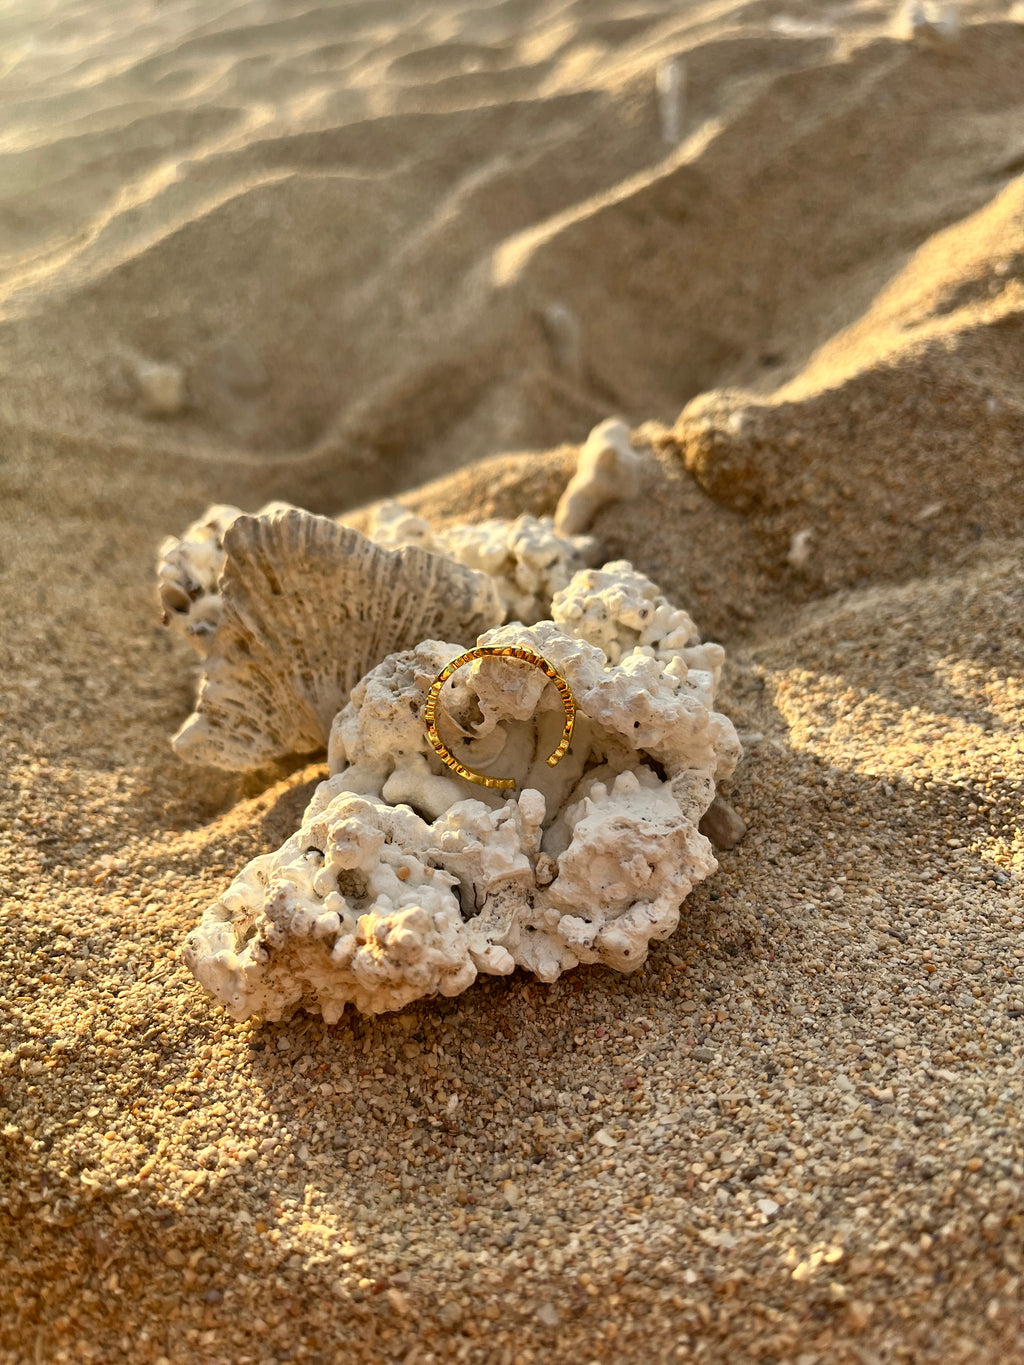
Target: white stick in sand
{"type": "Point", "coordinates": [670, 84]}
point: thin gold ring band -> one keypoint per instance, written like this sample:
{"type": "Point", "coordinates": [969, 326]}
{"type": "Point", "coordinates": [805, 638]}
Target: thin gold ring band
{"type": "Point", "coordinates": [498, 652]}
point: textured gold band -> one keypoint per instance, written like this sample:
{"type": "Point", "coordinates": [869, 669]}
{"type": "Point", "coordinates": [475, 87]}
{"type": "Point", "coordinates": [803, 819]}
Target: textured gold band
{"type": "Point", "coordinates": [497, 652]}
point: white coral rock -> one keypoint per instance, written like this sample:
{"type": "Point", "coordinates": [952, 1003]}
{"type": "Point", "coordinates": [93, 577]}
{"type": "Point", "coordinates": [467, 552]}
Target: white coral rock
{"type": "Point", "coordinates": [621, 611]}
{"type": "Point", "coordinates": [347, 911]}
{"type": "Point", "coordinates": [630, 862]}
{"type": "Point", "coordinates": [527, 558]}
{"type": "Point", "coordinates": [608, 470]}
{"type": "Point", "coordinates": [406, 880]}
{"type": "Point", "coordinates": [392, 525]}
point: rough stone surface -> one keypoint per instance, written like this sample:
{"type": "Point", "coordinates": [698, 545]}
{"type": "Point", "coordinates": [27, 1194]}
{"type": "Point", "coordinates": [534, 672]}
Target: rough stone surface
{"type": "Point", "coordinates": [724, 826]}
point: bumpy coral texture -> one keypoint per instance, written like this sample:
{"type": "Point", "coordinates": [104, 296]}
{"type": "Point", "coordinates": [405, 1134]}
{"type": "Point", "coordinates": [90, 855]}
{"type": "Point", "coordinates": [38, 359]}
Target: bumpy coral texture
{"type": "Point", "coordinates": [528, 559]}
{"type": "Point", "coordinates": [347, 911]}
{"type": "Point", "coordinates": [406, 880]}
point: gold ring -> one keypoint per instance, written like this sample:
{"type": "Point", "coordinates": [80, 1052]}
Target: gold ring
{"type": "Point", "coordinates": [498, 652]}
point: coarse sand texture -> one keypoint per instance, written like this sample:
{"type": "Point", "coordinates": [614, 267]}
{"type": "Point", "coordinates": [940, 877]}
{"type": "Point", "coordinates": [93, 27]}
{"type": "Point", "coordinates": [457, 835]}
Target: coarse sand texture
{"type": "Point", "coordinates": [332, 253]}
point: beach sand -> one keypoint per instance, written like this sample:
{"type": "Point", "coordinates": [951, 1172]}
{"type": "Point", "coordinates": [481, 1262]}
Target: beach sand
{"type": "Point", "coordinates": [331, 253]}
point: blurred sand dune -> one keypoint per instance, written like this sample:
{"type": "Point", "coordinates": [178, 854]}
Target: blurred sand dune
{"type": "Point", "coordinates": [406, 238]}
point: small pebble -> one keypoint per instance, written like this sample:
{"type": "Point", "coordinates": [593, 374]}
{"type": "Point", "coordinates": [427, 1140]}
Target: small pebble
{"type": "Point", "coordinates": [161, 388]}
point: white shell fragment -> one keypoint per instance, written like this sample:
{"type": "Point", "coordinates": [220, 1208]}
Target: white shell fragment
{"type": "Point", "coordinates": [670, 86]}
{"type": "Point", "coordinates": [404, 880]}
{"type": "Point", "coordinates": [564, 333]}
{"type": "Point", "coordinates": [800, 548]}
{"type": "Point", "coordinates": [307, 606]}
{"type": "Point", "coordinates": [608, 470]}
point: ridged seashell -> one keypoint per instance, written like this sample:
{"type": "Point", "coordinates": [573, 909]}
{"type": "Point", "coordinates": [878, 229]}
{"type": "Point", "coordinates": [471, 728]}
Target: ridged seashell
{"type": "Point", "coordinates": [307, 608]}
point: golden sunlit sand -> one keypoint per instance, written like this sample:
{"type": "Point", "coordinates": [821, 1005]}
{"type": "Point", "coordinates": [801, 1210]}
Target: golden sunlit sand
{"type": "Point", "coordinates": [338, 252]}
